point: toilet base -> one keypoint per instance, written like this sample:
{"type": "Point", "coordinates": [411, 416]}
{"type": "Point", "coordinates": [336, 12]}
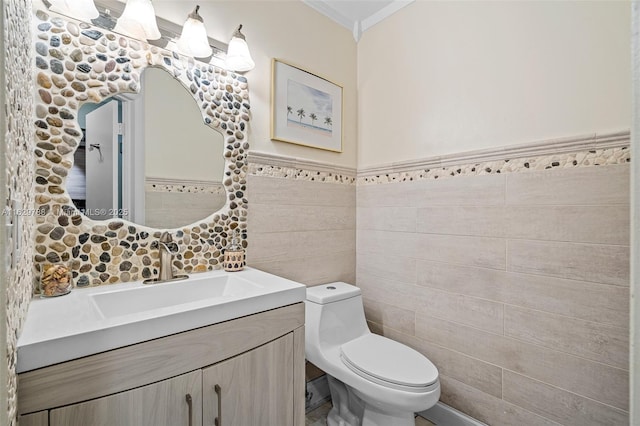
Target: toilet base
{"type": "Point", "coordinates": [374, 417]}
{"type": "Point", "coordinates": [350, 410]}
{"type": "Point", "coordinates": [347, 410]}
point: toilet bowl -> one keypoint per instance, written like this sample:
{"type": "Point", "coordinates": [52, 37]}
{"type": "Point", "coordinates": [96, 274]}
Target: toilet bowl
{"type": "Point", "coordinates": [373, 380]}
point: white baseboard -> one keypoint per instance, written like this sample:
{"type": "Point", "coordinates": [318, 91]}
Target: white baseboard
{"type": "Point", "coordinates": [318, 393]}
{"type": "Point", "coordinates": [443, 415]}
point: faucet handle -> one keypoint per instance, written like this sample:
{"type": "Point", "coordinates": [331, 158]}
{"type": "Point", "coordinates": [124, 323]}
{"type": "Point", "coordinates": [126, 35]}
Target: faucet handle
{"type": "Point", "coordinates": [166, 237]}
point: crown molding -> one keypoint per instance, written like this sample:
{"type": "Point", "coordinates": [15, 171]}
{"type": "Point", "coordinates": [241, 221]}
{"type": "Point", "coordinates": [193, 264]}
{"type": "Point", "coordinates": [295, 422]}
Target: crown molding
{"type": "Point", "coordinates": [357, 26]}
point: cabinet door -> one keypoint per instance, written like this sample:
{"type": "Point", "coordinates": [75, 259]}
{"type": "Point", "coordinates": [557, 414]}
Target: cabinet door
{"type": "Point", "coordinates": [40, 418]}
{"type": "Point", "coordinates": [255, 388]}
{"type": "Point", "coordinates": [172, 402]}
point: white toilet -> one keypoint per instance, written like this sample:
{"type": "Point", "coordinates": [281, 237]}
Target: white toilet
{"type": "Point", "coordinates": [373, 380]}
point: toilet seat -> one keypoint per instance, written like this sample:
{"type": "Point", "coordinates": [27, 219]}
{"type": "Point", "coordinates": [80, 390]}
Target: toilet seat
{"type": "Point", "coordinates": [389, 363]}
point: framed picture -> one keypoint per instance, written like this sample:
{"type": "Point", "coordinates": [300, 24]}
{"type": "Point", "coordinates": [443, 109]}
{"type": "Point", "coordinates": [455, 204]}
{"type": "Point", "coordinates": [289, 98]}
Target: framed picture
{"type": "Point", "coordinates": [305, 109]}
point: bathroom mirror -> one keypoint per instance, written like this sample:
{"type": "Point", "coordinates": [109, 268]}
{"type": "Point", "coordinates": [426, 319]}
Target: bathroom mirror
{"type": "Point", "coordinates": [77, 64]}
{"type": "Point", "coordinates": [149, 158]}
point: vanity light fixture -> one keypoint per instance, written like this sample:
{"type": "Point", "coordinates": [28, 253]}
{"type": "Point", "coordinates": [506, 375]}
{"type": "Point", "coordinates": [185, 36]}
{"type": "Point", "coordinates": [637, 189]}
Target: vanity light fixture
{"type": "Point", "coordinates": [194, 40]}
{"type": "Point", "coordinates": [83, 10]}
{"type": "Point", "coordinates": [138, 21]}
{"type": "Point", "coordinates": [238, 56]}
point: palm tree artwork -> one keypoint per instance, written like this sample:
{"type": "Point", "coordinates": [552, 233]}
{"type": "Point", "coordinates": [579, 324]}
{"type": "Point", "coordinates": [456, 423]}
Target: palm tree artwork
{"type": "Point", "coordinates": [313, 109]}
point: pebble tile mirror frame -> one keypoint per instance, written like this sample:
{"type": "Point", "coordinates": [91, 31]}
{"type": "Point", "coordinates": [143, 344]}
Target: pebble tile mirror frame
{"type": "Point", "coordinates": [78, 63]}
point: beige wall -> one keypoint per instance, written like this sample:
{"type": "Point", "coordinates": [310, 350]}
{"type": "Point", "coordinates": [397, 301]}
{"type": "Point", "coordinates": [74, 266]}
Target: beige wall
{"type": "Point", "coordinates": [291, 31]}
{"type": "Point", "coordinates": [458, 76]}
{"type": "Point", "coordinates": [515, 285]}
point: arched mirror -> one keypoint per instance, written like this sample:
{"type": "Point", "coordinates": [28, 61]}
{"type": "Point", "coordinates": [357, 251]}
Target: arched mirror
{"type": "Point", "coordinates": [148, 157]}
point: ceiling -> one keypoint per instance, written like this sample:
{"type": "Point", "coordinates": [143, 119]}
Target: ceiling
{"type": "Point", "coordinates": [357, 15]}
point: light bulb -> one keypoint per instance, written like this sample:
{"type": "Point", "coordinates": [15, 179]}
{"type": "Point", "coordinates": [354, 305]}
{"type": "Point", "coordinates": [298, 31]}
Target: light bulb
{"type": "Point", "coordinates": [194, 40]}
{"type": "Point", "coordinates": [238, 56]}
{"type": "Point", "coordinates": [138, 21]}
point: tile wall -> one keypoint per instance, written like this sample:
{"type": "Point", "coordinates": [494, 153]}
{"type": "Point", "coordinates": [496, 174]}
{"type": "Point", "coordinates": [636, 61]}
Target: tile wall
{"type": "Point", "coordinates": [514, 284]}
{"type": "Point", "coordinates": [302, 229]}
{"type": "Point", "coordinates": [165, 203]}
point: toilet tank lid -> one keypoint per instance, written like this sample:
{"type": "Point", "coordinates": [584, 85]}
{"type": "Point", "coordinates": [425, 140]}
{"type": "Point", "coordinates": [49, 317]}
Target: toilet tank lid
{"type": "Point", "coordinates": [331, 292]}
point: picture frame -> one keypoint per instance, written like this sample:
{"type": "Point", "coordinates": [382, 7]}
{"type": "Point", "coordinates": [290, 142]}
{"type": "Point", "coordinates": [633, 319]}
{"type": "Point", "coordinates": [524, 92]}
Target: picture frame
{"type": "Point", "coordinates": [306, 109]}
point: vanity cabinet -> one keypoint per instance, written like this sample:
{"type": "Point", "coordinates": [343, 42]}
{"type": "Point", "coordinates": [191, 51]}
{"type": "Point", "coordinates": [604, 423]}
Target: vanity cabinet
{"type": "Point", "coordinates": [171, 402]}
{"type": "Point", "coordinates": [245, 372]}
{"type": "Point", "coordinates": [240, 391]}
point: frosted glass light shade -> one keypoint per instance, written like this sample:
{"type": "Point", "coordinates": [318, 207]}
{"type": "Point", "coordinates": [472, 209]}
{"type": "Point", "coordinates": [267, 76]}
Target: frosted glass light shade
{"type": "Point", "coordinates": [83, 10]}
{"type": "Point", "coordinates": [238, 56]}
{"type": "Point", "coordinates": [194, 40]}
{"type": "Point", "coordinates": [138, 21]}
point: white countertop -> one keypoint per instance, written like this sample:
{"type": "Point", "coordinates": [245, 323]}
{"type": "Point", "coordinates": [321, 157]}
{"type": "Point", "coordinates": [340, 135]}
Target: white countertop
{"type": "Point", "coordinates": [72, 326]}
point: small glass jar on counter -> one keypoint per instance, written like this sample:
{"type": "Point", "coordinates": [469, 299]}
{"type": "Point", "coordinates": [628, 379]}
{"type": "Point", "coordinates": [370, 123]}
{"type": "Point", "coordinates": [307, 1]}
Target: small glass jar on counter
{"type": "Point", "coordinates": [56, 279]}
{"type": "Point", "coordinates": [234, 259]}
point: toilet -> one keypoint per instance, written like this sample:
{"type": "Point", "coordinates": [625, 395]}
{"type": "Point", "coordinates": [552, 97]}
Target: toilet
{"type": "Point", "coordinates": [373, 380]}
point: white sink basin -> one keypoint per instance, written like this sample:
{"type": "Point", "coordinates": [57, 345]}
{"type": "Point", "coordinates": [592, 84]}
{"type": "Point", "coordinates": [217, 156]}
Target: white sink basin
{"type": "Point", "coordinates": [97, 319]}
{"type": "Point", "coordinates": [171, 294]}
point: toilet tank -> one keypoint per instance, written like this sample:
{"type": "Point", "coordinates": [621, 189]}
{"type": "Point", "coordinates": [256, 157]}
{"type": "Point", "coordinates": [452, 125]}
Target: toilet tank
{"type": "Point", "coordinates": [334, 313]}
{"type": "Point", "coordinates": [332, 292]}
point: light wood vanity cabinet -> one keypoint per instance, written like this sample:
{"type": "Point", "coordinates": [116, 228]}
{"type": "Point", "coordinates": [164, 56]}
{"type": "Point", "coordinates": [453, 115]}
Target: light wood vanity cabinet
{"type": "Point", "coordinates": [160, 404]}
{"type": "Point", "coordinates": [241, 391]}
{"type": "Point", "coordinates": [244, 372]}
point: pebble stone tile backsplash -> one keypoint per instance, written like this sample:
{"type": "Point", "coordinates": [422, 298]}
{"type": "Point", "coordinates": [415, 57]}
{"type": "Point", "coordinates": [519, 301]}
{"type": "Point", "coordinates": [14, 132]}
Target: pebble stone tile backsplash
{"type": "Point", "coordinates": [78, 63]}
{"type": "Point", "coordinates": [19, 169]}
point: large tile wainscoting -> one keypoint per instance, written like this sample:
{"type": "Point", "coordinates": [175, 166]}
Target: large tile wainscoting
{"type": "Point", "coordinates": [302, 219]}
{"type": "Point", "coordinates": [515, 284]}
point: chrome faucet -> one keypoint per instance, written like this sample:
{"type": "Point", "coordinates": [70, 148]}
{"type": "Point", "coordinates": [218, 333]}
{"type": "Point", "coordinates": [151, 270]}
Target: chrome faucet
{"type": "Point", "coordinates": [165, 272]}
{"type": "Point", "coordinates": [166, 257]}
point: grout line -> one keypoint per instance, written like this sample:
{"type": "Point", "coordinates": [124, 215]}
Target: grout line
{"type": "Point", "coordinates": [564, 390]}
{"type": "Point", "coordinates": [524, 342]}
{"type": "Point", "coordinates": [492, 237]}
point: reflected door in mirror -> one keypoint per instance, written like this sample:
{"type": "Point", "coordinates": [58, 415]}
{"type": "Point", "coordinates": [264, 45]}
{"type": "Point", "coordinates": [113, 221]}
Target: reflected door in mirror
{"type": "Point", "coordinates": [102, 162]}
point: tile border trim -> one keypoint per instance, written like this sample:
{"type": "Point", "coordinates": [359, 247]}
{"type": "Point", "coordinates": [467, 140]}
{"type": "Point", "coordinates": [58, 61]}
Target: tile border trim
{"type": "Point", "coordinates": [554, 146]}
{"type": "Point", "coordinates": [154, 184]}
{"type": "Point", "coordinates": [579, 151]}
{"type": "Point", "coordinates": [592, 149]}
{"type": "Point", "coordinates": [280, 166]}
